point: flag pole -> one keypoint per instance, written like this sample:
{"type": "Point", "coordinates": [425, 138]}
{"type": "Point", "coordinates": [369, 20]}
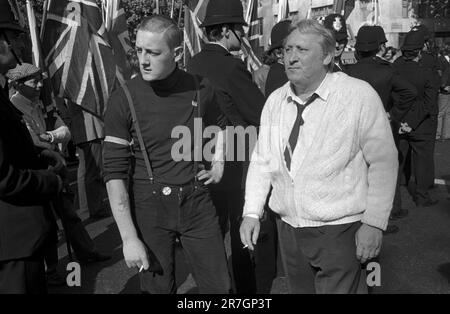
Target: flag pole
{"type": "Point", "coordinates": [171, 9]}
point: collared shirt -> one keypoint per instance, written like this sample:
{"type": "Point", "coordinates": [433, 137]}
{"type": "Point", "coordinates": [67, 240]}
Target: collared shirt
{"type": "Point", "coordinates": [311, 115]}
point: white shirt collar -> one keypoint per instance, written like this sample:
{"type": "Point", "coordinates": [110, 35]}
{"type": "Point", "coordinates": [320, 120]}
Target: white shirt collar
{"type": "Point", "coordinates": [323, 91]}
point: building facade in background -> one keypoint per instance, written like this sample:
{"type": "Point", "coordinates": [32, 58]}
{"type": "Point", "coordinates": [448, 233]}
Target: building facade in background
{"type": "Point", "coordinates": [397, 17]}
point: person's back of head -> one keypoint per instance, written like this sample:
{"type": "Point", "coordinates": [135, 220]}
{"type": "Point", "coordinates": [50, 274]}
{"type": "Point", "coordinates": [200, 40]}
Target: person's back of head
{"type": "Point", "coordinates": [221, 17]}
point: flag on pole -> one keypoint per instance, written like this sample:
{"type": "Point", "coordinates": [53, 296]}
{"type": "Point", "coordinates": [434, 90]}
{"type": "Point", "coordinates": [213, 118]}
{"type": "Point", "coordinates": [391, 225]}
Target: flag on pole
{"type": "Point", "coordinates": [251, 43]}
{"type": "Point", "coordinates": [194, 12]}
{"type": "Point", "coordinates": [80, 60]}
{"type": "Point", "coordinates": [118, 36]}
{"type": "Point", "coordinates": [283, 10]}
{"type": "Point", "coordinates": [47, 96]}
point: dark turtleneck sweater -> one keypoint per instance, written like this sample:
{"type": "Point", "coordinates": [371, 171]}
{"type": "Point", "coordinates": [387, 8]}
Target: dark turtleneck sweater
{"type": "Point", "coordinates": [160, 107]}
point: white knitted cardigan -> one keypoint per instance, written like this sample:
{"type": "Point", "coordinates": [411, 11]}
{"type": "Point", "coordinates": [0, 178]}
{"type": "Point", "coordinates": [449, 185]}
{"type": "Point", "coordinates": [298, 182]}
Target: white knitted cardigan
{"type": "Point", "coordinates": [349, 171]}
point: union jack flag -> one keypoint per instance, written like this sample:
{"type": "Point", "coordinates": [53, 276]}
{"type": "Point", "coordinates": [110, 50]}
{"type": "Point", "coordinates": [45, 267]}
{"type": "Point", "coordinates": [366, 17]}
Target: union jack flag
{"type": "Point", "coordinates": [80, 60]}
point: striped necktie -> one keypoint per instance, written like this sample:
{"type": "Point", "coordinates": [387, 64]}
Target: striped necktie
{"type": "Point", "coordinates": [289, 151]}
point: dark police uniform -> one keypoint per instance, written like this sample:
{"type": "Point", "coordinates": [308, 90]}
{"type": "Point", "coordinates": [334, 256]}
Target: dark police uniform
{"type": "Point", "coordinates": [231, 75]}
{"type": "Point", "coordinates": [420, 120]}
{"type": "Point", "coordinates": [277, 75]}
{"type": "Point", "coordinates": [175, 205]}
{"type": "Point", "coordinates": [25, 189]}
{"type": "Point", "coordinates": [276, 78]}
{"type": "Point", "coordinates": [397, 94]}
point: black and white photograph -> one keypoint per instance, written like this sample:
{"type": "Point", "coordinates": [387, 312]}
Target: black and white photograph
{"type": "Point", "coordinates": [224, 152]}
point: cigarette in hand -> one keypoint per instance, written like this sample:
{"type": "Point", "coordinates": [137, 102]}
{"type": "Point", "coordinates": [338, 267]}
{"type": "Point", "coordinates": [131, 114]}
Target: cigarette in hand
{"type": "Point", "coordinates": [245, 246]}
{"type": "Point", "coordinates": [140, 269]}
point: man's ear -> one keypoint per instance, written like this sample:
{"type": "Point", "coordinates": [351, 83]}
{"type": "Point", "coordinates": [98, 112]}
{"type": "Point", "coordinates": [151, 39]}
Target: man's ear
{"type": "Point", "coordinates": [225, 31]}
{"type": "Point", "coordinates": [328, 59]}
{"type": "Point", "coordinates": [178, 53]}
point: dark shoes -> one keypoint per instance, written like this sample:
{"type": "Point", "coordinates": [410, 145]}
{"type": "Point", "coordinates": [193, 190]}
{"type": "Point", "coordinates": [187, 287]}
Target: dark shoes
{"type": "Point", "coordinates": [391, 229]}
{"type": "Point", "coordinates": [94, 258]}
{"type": "Point", "coordinates": [402, 213]}
{"type": "Point", "coordinates": [427, 203]}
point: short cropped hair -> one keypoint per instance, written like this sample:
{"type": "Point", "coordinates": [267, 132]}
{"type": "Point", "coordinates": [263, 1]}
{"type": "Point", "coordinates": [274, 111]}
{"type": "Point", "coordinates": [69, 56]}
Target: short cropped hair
{"type": "Point", "coordinates": [161, 24]}
{"type": "Point", "coordinates": [327, 40]}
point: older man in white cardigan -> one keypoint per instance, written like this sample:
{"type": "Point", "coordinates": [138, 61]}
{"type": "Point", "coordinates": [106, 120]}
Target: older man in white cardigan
{"type": "Point", "coordinates": [326, 148]}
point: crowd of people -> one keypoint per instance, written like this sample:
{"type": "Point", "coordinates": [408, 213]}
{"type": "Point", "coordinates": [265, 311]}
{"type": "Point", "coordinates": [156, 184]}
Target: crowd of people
{"type": "Point", "coordinates": [318, 190]}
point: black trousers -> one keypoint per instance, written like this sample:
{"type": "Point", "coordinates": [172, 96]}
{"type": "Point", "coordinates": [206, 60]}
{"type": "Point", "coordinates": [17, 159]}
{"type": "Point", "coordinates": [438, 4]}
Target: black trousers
{"type": "Point", "coordinates": [321, 259]}
{"type": "Point", "coordinates": [23, 276]}
{"type": "Point", "coordinates": [422, 155]}
{"type": "Point", "coordinates": [94, 187]}
{"type": "Point", "coordinates": [162, 214]}
{"type": "Point", "coordinates": [79, 239]}
{"type": "Point", "coordinates": [252, 272]}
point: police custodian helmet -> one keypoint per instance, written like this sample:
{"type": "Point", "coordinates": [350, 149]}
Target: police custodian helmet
{"type": "Point", "coordinates": [279, 32]}
{"type": "Point", "coordinates": [367, 38]}
{"type": "Point", "coordinates": [415, 39]}
{"type": "Point", "coordinates": [224, 12]}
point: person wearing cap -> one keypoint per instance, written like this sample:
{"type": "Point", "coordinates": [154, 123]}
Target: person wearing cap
{"type": "Point", "coordinates": [397, 94]}
{"type": "Point", "coordinates": [158, 191]}
{"type": "Point", "coordinates": [223, 25]}
{"type": "Point", "coordinates": [277, 75]}
{"type": "Point", "coordinates": [419, 121]}
{"type": "Point", "coordinates": [26, 80]}
{"type": "Point", "coordinates": [337, 24]}
{"type": "Point", "coordinates": [325, 147]}
{"type": "Point", "coordinates": [27, 183]}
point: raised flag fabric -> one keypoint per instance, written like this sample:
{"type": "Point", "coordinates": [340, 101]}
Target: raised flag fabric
{"type": "Point", "coordinates": [80, 60]}
{"type": "Point", "coordinates": [118, 36]}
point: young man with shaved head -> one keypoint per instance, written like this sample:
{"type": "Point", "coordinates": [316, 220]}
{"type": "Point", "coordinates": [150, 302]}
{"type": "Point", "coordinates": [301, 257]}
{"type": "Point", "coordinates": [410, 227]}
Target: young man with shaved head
{"type": "Point", "coordinates": [167, 198]}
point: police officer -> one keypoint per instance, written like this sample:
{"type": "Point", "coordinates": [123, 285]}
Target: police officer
{"type": "Point", "coordinates": [277, 76]}
{"type": "Point", "coordinates": [25, 184]}
{"type": "Point", "coordinates": [397, 94]}
{"type": "Point", "coordinates": [418, 125]}
{"type": "Point", "coordinates": [337, 24]}
{"type": "Point", "coordinates": [223, 25]}
{"type": "Point", "coordinates": [429, 60]}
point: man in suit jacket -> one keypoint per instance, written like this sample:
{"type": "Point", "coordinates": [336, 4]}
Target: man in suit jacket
{"type": "Point", "coordinates": [397, 94]}
{"type": "Point", "coordinates": [420, 141]}
{"type": "Point", "coordinates": [25, 184]}
{"type": "Point", "coordinates": [224, 28]}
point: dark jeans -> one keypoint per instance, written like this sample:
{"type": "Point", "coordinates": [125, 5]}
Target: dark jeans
{"type": "Point", "coordinates": [79, 239]}
{"type": "Point", "coordinates": [24, 276]}
{"type": "Point", "coordinates": [94, 187]}
{"type": "Point", "coordinates": [187, 213]}
{"type": "Point", "coordinates": [253, 273]}
{"type": "Point", "coordinates": [321, 259]}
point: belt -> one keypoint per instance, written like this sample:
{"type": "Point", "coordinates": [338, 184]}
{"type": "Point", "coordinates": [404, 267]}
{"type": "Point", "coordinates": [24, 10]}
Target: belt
{"type": "Point", "coordinates": [167, 189]}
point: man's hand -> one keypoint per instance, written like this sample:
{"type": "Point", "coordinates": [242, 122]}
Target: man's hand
{"type": "Point", "coordinates": [368, 242]}
{"type": "Point", "coordinates": [405, 128]}
{"type": "Point", "coordinates": [249, 231]}
{"type": "Point", "coordinates": [135, 253]}
{"type": "Point", "coordinates": [212, 176]}
{"type": "Point", "coordinates": [55, 160]}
